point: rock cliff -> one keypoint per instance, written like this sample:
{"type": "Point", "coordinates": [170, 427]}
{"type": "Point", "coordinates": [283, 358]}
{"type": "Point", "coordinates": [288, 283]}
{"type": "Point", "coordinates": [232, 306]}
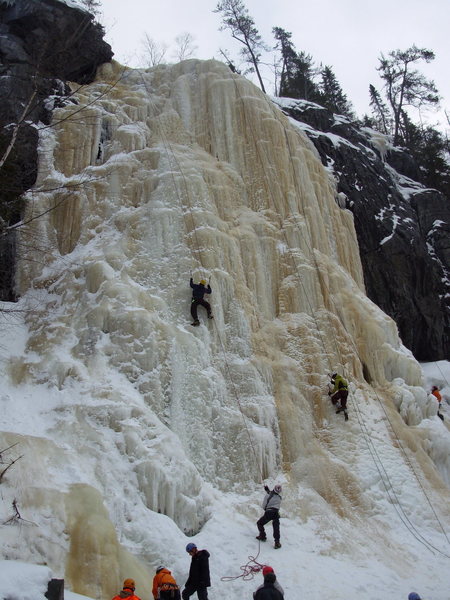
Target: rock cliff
{"type": "Point", "coordinates": [42, 45]}
{"type": "Point", "coordinates": [403, 228]}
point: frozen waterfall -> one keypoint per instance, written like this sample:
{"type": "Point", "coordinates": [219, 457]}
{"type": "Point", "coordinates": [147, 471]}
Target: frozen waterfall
{"type": "Point", "coordinates": [143, 425]}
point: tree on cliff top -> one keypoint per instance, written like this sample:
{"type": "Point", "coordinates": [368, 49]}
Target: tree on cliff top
{"type": "Point", "coordinates": [235, 17]}
{"type": "Point", "coordinates": [297, 69]}
{"type": "Point", "coordinates": [405, 86]}
{"type": "Point", "coordinates": [93, 6]}
{"type": "Point", "coordinates": [332, 96]}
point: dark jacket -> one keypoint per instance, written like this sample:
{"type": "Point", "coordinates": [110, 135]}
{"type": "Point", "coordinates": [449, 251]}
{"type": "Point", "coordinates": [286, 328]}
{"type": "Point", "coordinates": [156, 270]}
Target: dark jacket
{"type": "Point", "coordinates": [276, 585]}
{"type": "Point", "coordinates": [199, 571]}
{"type": "Point", "coordinates": [268, 591]}
{"type": "Point", "coordinates": [199, 290]}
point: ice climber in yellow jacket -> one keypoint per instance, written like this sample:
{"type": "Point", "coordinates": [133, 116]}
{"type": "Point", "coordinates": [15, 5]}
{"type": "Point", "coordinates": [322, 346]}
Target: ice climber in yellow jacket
{"type": "Point", "coordinates": [339, 393]}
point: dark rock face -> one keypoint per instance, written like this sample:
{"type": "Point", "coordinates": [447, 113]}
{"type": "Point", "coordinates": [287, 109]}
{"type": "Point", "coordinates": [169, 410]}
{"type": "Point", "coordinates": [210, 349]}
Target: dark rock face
{"type": "Point", "coordinates": [403, 228]}
{"type": "Point", "coordinates": [42, 45]}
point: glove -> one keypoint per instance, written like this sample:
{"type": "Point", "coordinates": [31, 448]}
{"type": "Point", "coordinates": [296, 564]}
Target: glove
{"type": "Point", "coordinates": [266, 489]}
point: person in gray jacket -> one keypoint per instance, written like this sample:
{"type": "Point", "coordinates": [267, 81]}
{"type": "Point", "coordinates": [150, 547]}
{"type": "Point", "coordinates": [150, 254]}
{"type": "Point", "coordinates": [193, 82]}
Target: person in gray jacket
{"type": "Point", "coordinates": [271, 505]}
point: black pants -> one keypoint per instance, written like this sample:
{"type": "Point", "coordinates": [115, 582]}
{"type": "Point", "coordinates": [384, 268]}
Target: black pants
{"type": "Point", "coordinates": [194, 306]}
{"type": "Point", "coordinates": [341, 395]}
{"type": "Point", "coordinates": [169, 595]}
{"type": "Point", "coordinates": [270, 515]}
{"type": "Point", "coordinates": [202, 592]}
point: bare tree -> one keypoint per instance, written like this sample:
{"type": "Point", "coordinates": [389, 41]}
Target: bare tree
{"type": "Point", "coordinates": [16, 516]}
{"type": "Point", "coordinates": [185, 47]}
{"type": "Point", "coordinates": [9, 463]}
{"type": "Point", "coordinates": [153, 52]}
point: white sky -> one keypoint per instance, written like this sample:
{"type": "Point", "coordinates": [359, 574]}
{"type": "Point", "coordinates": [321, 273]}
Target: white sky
{"type": "Point", "coordinates": [346, 34]}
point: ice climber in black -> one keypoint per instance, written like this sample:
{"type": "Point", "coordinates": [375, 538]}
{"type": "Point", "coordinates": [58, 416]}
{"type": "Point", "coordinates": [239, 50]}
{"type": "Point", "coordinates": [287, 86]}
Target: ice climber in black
{"type": "Point", "coordinates": [271, 505]}
{"type": "Point", "coordinates": [198, 291]}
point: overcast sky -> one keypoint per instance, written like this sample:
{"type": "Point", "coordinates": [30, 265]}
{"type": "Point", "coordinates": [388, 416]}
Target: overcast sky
{"type": "Point", "coordinates": [345, 34]}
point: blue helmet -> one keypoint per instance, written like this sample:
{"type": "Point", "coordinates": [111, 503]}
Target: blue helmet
{"type": "Point", "coordinates": [190, 547]}
{"type": "Point", "coordinates": [413, 596]}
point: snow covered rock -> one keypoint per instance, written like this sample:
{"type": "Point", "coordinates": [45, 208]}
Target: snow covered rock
{"type": "Point", "coordinates": [403, 228]}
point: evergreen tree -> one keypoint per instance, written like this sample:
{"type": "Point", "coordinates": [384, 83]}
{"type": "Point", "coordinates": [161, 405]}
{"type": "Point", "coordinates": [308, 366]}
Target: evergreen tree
{"type": "Point", "coordinates": [428, 147]}
{"type": "Point", "coordinates": [288, 55]}
{"type": "Point", "coordinates": [333, 97]}
{"type": "Point", "coordinates": [297, 69]}
{"type": "Point", "coordinates": [302, 84]}
{"type": "Point", "coordinates": [235, 17]}
{"type": "Point", "coordinates": [381, 117]}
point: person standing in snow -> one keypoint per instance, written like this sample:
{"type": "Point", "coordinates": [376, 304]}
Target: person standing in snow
{"type": "Point", "coordinates": [272, 578]}
{"type": "Point", "coordinates": [436, 393]}
{"type": "Point", "coordinates": [127, 591]}
{"type": "Point", "coordinates": [271, 505]}
{"type": "Point", "coordinates": [198, 291]}
{"type": "Point", "coordinates": [164, 585]}
{"type": "Point", "coordinates": [199, 578]}
{"type": "Point", "coordinates": [270, 589]}
{"type": "Point", "coordinates": [339, 393]}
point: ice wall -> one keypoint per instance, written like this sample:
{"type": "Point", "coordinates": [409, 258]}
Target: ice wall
{"type": "Point", "coordinates": [148, 177]}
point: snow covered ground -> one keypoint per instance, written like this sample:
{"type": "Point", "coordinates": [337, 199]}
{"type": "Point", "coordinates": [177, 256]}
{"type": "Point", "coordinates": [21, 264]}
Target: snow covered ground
{"type": "Point", "coordinates": [320, 558]}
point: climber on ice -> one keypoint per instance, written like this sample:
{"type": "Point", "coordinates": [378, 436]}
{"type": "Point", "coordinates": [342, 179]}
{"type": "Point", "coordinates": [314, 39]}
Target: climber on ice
{"type": "Point", "coordinates": [198, 291]}
{"type": "Point", "coordinates": [271, 505]}
{"type": "Point", "coordinates": [339, 393]}
{"type": "Point", "coordinates": [437, 394]}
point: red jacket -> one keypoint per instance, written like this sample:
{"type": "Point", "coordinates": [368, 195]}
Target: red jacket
{"type": "Point", "coordinates": [438, 395]}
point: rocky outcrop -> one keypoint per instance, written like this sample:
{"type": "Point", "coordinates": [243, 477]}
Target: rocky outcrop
{"type": "Point", "coordinates": [403, 228]}
{"type": "Point", "coordinates": [42, 45]}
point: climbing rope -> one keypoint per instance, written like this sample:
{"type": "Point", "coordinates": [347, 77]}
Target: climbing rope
{"type": "Point", "coordinates": [249, 570]}
{"type": "Point", "coordinates": [172, 155]}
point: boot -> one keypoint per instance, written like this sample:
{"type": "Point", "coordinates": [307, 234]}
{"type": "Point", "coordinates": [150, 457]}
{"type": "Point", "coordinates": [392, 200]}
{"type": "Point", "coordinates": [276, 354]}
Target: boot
{"type": "Point", "coordinates": [277, 544]}
{"type": "Point", "coordinates": [196, 323]}
{"type": "Point", "coordinates": [210, 317]}
{"type": "Point", "coordinates": [261, 538]}
{"type": "Point", "coordinates": [346, 415]}
{"type": "Point", "coordinates": [338, 410]}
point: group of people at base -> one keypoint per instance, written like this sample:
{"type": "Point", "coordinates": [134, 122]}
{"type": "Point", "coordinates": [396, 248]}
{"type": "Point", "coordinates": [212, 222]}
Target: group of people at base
{"type": "Point", "coordinates": [270, 589]}
{"type": "Point", "coordinates": [166, 588]}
